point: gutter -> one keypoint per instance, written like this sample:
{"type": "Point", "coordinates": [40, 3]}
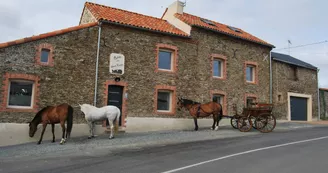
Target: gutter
{"type": "Point", "coordinates": [271, 92]}
{"type": "Point", "coordinates": [97, 65]}
{"type": "Point", "coordinates": [318, 95]}
{"type": "Point", "coordinates": [142, 29]}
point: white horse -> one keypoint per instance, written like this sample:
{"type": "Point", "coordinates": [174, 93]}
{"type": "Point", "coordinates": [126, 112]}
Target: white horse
{"type": "Point", "coordinates": [93, 114]}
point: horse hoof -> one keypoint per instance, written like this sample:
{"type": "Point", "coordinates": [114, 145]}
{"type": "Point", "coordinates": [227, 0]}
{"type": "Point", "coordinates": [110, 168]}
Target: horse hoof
{"type": "Point", "coordinates": [216, 128]}
{"type": "Point", "coordinates": [111, 137]}
{"type": "Point", "coordinates": [38, 143]}
{"type": "Point", "coordinates": [52, 141]}
{"type": "Point", "coordinates": [89, 137]}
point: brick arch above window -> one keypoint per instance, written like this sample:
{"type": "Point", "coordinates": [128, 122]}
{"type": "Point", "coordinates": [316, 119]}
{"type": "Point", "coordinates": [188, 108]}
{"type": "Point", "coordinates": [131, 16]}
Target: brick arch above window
{"type": "Point", "coordinates": [8, 77]}
{"type": "Point", "coordinates": [47, 49]}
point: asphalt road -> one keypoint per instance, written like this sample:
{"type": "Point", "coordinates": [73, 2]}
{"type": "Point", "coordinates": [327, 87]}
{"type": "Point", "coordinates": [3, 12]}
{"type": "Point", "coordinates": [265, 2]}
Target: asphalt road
{"type": "Point", "coordinates": [284, 152]}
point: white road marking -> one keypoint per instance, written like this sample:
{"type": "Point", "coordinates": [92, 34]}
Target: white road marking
{"type": "Point", "coordinates": [245, 152]}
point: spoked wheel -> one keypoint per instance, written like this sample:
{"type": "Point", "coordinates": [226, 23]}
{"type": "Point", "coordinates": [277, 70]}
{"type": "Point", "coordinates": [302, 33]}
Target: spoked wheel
{"type": "Point", "coordinates": [253, 119]}
{"type": "Point", "coordinates": [234, 122]}
{"type": "Point", "coordinates": [244, 124]}
{"type": "Point", "coordinates": [265, 123]}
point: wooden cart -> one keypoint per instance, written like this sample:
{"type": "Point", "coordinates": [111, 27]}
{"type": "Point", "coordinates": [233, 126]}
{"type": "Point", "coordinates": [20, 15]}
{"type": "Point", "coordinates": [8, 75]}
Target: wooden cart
{"type": "Point", "coordinates": [259, 117]}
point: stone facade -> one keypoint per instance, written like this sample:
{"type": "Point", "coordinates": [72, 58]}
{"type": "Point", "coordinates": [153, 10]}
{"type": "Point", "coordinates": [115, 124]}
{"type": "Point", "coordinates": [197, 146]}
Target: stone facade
{"type": "Point", "coordinates": [323, 103]}
{"type": "Point", "coordinates": [288, 78]}
{"type": "Point", "coordinates": [70, 79]}
{"type": "Point", "coordinates": [87, 17]}
{"type": "Point", "coordinates": [72, 76]}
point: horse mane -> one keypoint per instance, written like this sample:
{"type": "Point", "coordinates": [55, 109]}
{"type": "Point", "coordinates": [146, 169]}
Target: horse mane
{"type": "Point", "coordinates": [189, 102]}
{"type": "Point", "coordinates": [38, 116]}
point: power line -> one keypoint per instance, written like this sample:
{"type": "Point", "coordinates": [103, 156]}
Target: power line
{"type": "Point", "coordinates": [321, 42]}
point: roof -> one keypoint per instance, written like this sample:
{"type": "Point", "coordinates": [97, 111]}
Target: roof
{"type": "Point", "coordinates": [101, 12]}
{"type": "Point", "coordinates": [323, 89]}
{"type": "Point", "coordinates": [46, 35]}
{"type": "Point", "coordinates": [218, 27]}
{"type": "Point", "coordinates": [291, 60]}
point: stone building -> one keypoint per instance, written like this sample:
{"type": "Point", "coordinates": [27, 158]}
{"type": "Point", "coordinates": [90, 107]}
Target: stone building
{"type": "Point", "coordinates": [295, 88]}
{"type": "Point", "coordinates": [323, 92]}
{"type": "Point", "coordinates": [139, 63]}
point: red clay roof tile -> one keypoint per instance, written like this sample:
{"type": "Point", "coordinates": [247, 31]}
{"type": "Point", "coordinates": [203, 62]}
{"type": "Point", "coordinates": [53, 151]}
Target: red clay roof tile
{"type": "Point", "coordinates": [132, 19]}
{"type": "Point", "coordinates": [197, 21]}
{"type": "Point", "coordinates": [45, 35]}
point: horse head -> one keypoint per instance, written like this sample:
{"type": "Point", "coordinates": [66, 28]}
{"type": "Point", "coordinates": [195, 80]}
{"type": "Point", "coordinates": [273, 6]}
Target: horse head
{"type": "Point", "coordinates": [33, 127]}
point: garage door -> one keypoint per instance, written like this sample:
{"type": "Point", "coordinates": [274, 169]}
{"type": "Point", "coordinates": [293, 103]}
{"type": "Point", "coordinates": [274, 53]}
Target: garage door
{"type": "Point", "coordinates": [298, 108]}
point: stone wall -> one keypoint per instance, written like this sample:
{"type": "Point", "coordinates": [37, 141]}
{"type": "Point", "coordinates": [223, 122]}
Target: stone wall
{"type": "Point", "coordinates": [323, 104]}
{"type": "Point", "coordinates": [284, 82]}
{"type": "Point", "coordinates": [87, 17]}
{"type": "Point", "coordinates": [193, 79]}
{"type": "Point", "coordinates": [70, 80]}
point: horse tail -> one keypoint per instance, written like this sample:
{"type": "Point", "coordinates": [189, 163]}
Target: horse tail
{"type": "Point", "coordinates": [116, 120]}
{"type": "Point", "coordinates": [221, 112]}
{"type": "Point", "coordinates": [69, 121]}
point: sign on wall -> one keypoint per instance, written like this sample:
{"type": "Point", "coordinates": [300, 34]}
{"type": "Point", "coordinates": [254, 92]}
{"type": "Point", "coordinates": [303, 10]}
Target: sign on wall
{"type": "Point", "coordinates": [116, 63]}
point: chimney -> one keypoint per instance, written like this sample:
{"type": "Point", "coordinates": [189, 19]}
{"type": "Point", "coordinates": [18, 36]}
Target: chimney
{"type": "Point", "coordinates": [177, 7]}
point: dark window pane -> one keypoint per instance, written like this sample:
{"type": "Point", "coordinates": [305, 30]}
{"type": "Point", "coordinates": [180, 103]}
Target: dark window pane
{"type": "Point", "coordinates": [217, 68]}
{"type": "Point", "coordinates": [20, 93]}
{"type": "Point", "coordinates": [164, 61]}
{"type": "Point", "coordinates": [218, 98]}
{"type": "Point", "coordinates": [249, 101]}
{"type": "Point", "coordinates": [249, 73]}
{"type": "Point", "coordinates": [45, 55]}
{"type": "Point", "coordinates": [163, 101]}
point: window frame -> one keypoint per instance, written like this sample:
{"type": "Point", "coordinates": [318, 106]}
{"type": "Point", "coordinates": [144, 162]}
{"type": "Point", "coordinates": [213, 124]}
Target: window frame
{"type": "Point", "coordinates": [174, 57]}
{"type": "Point", "coordinates": [45, 49]}
{"type": "Point", "coordinates": [32, 96]}
{"type": "Point", "coordinates": [249, 96]}
{"type": "Point", "coordinates": [165, 88]}
{"type": "Point", "coordinates": [254, 65]}
{"type": "Point", "coordinates": [38, 55]}
{"type": "Point", "coordinates": [223, 59]}
{"type": "Point", "coordinates": [224, 100]}
{"type": "Point", "coordinates": [5, 107]}
{"type": "Point", "coordinates": [170, 103]}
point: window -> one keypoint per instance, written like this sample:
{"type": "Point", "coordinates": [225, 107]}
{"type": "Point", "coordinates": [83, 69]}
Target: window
{"type": "Point", "coordinates": [219, 64]}
{"type": "Point", "coordinates": [249, 101]}
{"type": "Point", "coordinates": [164, 100]}
{"type": "Point", "coordinates": [165, 60]}
{"type": "Point", "coordinates": [218, 98]}
{"type": "Point", "coordinates": [20, 94]}
{"type": "Point", "coordinates": [45, 55]}
{"type": "Point", "coordinates": [217, 68]}
{"type": "Point", "coordinates": [251, 72]}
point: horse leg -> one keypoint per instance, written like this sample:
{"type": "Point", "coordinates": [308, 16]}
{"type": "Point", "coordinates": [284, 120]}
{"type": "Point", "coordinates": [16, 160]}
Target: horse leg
{"type": "Point", "coordinates": [44, 128]}
{"type": "Point", "coordinates": [196, 125]}
{"type": "Point", "coordinates": [218, 121]}
{"type": "Point", "coordinates": [64, 129]}
{"type": "Point", "coordinates": [93, 129]}
{"type": "Point", "coordinates": [90, 130]}
{"type": "Point", "coordinates": [53, 132]}
{"type": "Point", "coordinates": [111, 126]}
{"type": "Point", "coordinates": [214, 121]}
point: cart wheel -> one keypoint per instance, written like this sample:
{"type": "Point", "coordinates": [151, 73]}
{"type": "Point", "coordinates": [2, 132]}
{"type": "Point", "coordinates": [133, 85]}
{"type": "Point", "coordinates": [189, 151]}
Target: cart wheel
{"type": "Point", "coordinates": [253, 119]}
{"type": "Point", "coordinates": [244, 124]}
{"type": "Point", "coordinates": [233, 122]}
{"type": "Point", "coordinates": [265, 123]}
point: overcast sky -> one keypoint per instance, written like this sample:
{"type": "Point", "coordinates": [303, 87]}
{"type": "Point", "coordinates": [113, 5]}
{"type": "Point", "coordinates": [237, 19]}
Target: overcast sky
{"type": "Point", "coordinates": [275, 21]}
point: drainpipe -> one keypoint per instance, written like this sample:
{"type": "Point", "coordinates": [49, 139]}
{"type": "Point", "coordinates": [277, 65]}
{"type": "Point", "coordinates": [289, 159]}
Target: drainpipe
{"type": "Point", "coordinates": [270, 79]}
{"type": "Point", "coordinates": [97, 64]}
{"type": "Point", "coordinates": [318, 95]}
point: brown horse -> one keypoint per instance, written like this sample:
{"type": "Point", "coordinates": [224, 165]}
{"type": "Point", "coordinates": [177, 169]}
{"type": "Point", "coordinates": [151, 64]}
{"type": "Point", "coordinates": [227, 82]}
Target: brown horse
{"type": "Point", "coordinates": [53, 115]}
{"type": "Point", "coordinates": [202, 110]}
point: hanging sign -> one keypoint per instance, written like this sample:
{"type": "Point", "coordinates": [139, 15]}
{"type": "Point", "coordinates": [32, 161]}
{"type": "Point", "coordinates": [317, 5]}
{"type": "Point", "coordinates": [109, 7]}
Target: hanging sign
{"type": "Point", "coordinates": [116, 63]}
